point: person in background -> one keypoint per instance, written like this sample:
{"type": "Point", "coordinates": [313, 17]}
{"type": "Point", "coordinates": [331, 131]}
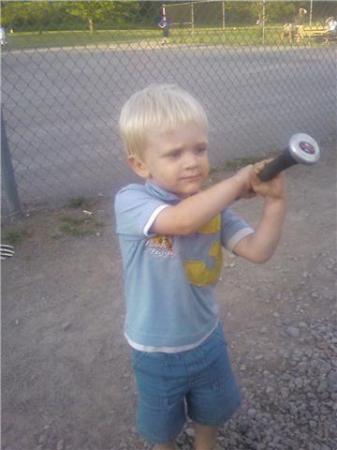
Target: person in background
{"type": "Point", "coordinates": [3, 40]}
{"type": "Point", "coordinates": [164, 25]}
{"type": "Point", "coordinates": [331, 32]}
{"type": "Point", "coordinates": [299, 24]}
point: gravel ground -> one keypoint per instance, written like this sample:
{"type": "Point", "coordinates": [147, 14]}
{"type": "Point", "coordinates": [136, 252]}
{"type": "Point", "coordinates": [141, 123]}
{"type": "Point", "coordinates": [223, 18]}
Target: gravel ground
{"type": "Point", "coordinates": [66, 376]}
{"type": "Point", "coordinates": [293, 407]}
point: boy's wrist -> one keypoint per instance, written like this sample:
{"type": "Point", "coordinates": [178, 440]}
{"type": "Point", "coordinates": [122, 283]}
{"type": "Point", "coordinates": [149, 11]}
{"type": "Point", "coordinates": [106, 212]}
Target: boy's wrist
{"type": "Point", "coordinates": [275, 202]}
{"type": "Point", "coordinates": [241, 182]}
{"type": "Point", "coordinates": [238, 187]}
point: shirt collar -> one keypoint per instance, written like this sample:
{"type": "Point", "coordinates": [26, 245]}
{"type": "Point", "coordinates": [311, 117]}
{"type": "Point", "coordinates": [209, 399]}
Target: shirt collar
{"type": "Point", "coordinates": [161, 193]}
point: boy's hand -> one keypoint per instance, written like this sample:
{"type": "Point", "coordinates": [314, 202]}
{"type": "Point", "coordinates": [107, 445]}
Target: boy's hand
{"type": "Point", "coordinates": [244, 177]}
{"type": "Point", "coordinates": [273, 188]}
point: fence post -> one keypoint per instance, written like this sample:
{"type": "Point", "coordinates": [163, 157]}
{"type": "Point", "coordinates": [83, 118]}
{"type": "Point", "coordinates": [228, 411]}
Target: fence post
{"type": "Point", "coordinates": [263, 20]}
{"type": "Point", "coordinates": [192, 17]}
{"type": "Point", "coordinates": [7, 174]}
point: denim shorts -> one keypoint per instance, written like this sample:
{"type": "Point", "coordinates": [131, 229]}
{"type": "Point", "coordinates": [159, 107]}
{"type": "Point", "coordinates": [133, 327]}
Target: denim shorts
{"type": "Point", "coordinates": [197, 383]}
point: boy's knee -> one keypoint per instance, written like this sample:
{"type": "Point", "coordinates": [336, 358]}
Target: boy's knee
{"type": "Point", "coordinates": [167, 446]}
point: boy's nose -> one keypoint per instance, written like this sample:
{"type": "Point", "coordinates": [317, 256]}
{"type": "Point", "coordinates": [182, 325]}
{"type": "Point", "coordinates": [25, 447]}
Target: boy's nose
{"type": "Point", "coordinates": [190, 160]}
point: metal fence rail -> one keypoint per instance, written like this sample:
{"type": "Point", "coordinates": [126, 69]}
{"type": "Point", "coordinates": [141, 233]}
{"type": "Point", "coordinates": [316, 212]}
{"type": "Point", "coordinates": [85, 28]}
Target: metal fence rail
{"type": "Point", "coordinates": [258, 81]}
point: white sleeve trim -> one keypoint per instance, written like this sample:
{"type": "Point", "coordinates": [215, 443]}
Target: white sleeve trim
{"type": "Point", "coordinates": [152, 218]}
{"type": "Point", "coordinates": [237, 237]}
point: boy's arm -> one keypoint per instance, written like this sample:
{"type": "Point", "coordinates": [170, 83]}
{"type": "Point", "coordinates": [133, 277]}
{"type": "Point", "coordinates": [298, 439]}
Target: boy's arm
{"type": "Point", "coordinates": [260, 246]}
{"type": "Point", "coordinates": [195, 211]}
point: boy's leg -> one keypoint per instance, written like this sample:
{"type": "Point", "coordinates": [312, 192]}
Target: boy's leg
{"type": "Point", "coordinates": [215, 395]}
{"type": "Point", "coordinates": [205, 437]}
{"type": "Point", "coordinates": [168, 446]}
{"type": "Point", "coordinates": [162, 385]}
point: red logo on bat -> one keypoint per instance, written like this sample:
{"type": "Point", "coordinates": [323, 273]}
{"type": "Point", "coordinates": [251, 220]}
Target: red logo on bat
{"type": "Point", "coordinates": [307, 148]}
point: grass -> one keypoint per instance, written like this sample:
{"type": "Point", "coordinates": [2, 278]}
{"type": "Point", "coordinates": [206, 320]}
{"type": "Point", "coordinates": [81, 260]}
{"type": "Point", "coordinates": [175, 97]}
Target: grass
{"type": "Point", "coordinates": [49, 39]}
{"type": "Point", "coordinates": [79, 202]}
{"type": "Point", "coordinates": [78, 218]}
{"type": "Point", "coordinates": [70, 224]}
{"type": "Point", "coordinates": [78, 226]}
{"type": "Point", "coordinates": [232, 36]}
{"type": "Point", "coordinates": [14, 236]}
{"type": "Point", "coordinates": [236, 164]}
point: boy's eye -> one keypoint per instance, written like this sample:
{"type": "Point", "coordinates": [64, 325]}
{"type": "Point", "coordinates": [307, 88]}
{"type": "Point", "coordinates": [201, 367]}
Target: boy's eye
{"type": "Point", "coordinates": [201, 150]}
{"type": "Point", "coordinates": [174, 154]}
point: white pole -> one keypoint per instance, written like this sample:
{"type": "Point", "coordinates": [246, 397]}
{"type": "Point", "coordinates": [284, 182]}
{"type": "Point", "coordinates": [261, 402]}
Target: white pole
{"type": "Point", "coordinates": [223, 16]}
{"type": "Point", "coordinates": [310, 19]}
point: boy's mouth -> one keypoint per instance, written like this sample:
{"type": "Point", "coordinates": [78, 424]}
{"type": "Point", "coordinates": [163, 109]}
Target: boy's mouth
{"type": "Point", "coordinates": [191, 178]}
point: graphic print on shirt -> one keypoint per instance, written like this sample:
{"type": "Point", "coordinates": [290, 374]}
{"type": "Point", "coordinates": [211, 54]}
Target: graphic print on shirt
{"type": "Point", "coordinates": [160, 245]}
{"type": "Point", "coordinates": [197, 271]}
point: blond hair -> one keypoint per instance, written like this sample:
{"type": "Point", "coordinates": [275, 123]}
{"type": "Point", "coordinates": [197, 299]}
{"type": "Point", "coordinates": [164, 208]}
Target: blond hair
{"type": "Point", "coordinates": [158, 107]}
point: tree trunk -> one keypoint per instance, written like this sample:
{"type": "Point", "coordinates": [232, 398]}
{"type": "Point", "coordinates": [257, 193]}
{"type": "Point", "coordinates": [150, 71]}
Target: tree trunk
{"type": "Point", "coordinates": [91, 25]}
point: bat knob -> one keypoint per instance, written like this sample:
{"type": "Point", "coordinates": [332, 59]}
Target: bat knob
{"type": "Point", "coordinates": [304, 149]}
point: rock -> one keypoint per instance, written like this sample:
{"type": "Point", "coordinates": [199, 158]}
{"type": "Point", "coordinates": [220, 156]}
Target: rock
{"type": "Point", "coordinates": [284, 392]}
{"type": "Point", "coordinates": [251, 412]}
{"type": "Point", "coordinates": [190, 432]}
{"type": "Point", "coordinates": [293, 332]}
{"type": "Point", "coordinates": [42, 439]}
{"type": "Point", "coordinates": [312, 424]}
{"type": "Point", "coordinates": [60, 444]}
{"type": "Point", "coordinates": [322, 387]}
{"type": "Point", "coordinates": [243, 426]}
{"type": "Point", "coordinates": [332, 381]}
{"type": "Point", "coordinates": [66, 326]}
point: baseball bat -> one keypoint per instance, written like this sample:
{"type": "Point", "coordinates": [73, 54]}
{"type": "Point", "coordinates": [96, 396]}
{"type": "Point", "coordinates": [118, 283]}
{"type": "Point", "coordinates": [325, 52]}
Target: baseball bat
{"type": "Point", "coordinates": [302, 149]}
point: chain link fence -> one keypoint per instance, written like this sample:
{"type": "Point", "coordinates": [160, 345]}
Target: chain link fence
{"type": "Point", "coordinates": [263, 71]}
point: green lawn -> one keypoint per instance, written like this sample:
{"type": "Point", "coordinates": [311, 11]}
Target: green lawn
{"type": "Point", "coordinates": [50, 39]}
{"type": "Point", "coordinates": [206, 36]}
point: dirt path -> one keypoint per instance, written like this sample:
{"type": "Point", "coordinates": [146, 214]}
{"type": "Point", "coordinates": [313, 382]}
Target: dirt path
{"type": "Point", "coordinates": [67, 380]}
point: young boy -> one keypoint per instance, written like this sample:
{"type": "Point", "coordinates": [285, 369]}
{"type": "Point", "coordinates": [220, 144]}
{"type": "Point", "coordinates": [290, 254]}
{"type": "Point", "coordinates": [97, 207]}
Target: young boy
{"type": "Point", "coordinates": [171, 233]}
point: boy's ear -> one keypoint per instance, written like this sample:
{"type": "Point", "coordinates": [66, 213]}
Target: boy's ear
{"type": "Point", "coordinates": [138, 166]}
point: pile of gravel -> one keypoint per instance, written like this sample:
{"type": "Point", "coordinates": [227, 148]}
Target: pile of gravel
{"type": "Point", "coordinates": [292, 406]}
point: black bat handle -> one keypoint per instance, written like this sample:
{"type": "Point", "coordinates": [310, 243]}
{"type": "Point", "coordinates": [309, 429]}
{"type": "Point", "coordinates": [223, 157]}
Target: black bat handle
{"type": "Point", "coordinates": [281, 162]}
{"type": "Point", "coordinates": [302, 149]}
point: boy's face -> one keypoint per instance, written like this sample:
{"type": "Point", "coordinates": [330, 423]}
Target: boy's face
{"type": "Point", "coordinates": [176, 160]}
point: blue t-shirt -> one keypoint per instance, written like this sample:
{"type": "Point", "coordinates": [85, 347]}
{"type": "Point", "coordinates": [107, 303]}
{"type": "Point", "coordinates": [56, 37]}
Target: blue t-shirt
{"type": "Point", "coordinates": [169, 280]}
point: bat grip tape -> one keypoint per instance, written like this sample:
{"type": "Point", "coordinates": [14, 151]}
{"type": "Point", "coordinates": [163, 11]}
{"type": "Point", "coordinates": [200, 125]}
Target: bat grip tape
{"type": "Point", "coordinates": [281, 162]}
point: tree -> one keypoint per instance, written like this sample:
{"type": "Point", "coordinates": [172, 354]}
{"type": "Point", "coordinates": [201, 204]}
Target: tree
{"type": "Point", "coordinates": [24, 14]}
{"type": "Point", "coordinates": [281, 12]}
{"type": "Point", "coordinates": [94, 11]}
{"type": "Point", "coordinates": [259, 9]}
{"type": "Point", "coordinates": [239, 12]}
{"type": "Point", "coordinates": [28, 15]}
